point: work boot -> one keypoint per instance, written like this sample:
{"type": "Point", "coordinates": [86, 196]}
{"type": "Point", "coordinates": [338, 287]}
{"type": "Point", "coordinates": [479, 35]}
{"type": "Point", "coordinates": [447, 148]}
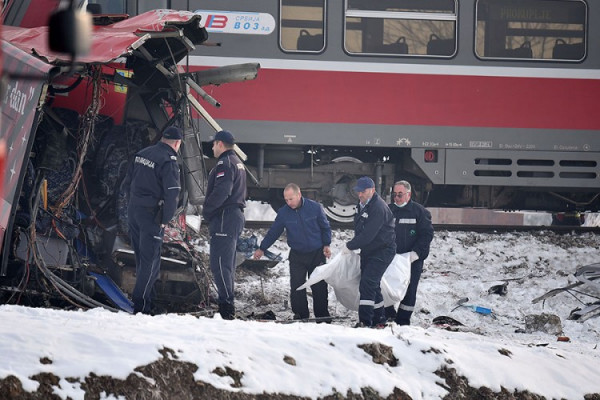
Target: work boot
{"type": "Point", "coordinates": [379, 318]}
{"type": "Point", "coordinates": [390, 313]}
{"type": "Point", "coordinates": [227, 311]}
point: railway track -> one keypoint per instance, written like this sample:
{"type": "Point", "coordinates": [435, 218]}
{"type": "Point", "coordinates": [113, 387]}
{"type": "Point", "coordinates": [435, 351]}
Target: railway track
{"type": "Point", "coordinates": [467, 228]}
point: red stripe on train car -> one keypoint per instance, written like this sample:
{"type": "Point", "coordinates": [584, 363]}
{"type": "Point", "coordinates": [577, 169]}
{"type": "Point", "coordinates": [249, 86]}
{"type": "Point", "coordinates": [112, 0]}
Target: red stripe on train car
{"type": "Point", "coordinates": [412, 99]}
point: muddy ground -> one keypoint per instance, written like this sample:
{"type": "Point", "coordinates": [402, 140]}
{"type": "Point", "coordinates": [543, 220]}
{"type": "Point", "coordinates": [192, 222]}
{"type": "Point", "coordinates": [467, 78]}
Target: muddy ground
{"type": "Point", "coordinates": [169, 378]}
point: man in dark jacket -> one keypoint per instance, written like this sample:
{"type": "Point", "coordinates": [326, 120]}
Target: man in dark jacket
{"type": "Point", "coordinates": [374, 236]}
{"type": "Point", "coordinates": [414, 233]}
{"type": "Point", "coordinates": [224, 210]}
{"type": "Point", "coordinates": [309, 236]}
{"type": "Point", "coordinates": [152, 185]}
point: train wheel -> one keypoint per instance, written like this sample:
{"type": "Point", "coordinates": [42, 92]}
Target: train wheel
{"type": "Point", "coordinates": [340, 213]}
{"type": "Point", "coordinates": [343, 207]}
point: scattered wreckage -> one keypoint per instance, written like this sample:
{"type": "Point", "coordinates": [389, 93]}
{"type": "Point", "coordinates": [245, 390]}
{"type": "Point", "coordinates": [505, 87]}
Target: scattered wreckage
{"type": "Point", "coordinates": [588, 277]}
{"type": "Point", "coordinates": [72, 125]}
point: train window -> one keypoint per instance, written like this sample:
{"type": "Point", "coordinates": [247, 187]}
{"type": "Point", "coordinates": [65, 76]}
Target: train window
{"type": "Point", "coordinates": [302, 25]}
{"type": "Point", "coordinates": [401, 27]}
{"type": "Point", "coordinates": [531, 29]}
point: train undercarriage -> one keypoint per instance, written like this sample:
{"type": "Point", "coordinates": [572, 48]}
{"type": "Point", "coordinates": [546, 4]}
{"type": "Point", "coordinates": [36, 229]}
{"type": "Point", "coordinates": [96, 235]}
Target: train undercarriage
{"type": "Point", "coordinates": [328, 173]}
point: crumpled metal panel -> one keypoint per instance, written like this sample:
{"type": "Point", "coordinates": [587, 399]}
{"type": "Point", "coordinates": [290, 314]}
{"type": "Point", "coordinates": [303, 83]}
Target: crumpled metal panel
{"type": "Point", "coordinates": [113, 41]}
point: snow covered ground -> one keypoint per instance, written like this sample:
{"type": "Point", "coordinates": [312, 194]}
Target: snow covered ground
{"type": "Point", "coordinates": [592, 219]}
{"type": "Point", "coordinates": [498, 351]}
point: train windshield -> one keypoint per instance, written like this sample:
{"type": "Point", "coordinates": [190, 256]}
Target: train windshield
{"type": "Point", "coordinates": [531, 29]}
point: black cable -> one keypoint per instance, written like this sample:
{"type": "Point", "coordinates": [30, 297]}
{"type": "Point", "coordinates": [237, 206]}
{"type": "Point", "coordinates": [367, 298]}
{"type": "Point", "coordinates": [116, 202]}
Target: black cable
{"type": "Point", "coordinates": [54, 90]}
{"type": "Point", "coordinates": [62, 287]}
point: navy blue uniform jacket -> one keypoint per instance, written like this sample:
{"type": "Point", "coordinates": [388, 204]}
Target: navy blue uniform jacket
{"type": "Point", "coordinates": [414, 231]}
{"type": "Point", "coordinates": [307, 227]}
{"type": "Point", "coordinates": [226, 185]}
{"type": "Point", "coordinates": [373, 227]}
{"type": "Point", "coordinates": [153, 176]}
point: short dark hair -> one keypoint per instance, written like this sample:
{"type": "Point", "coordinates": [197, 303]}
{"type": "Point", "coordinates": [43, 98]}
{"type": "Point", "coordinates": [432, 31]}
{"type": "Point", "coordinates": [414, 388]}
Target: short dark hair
{"type": "Point", "coordinates": [292, 186]}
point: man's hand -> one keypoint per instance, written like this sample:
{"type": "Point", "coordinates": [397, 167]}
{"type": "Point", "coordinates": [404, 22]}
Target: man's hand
{"type": "Point", "coordinates": [258, 254]}
{"type": "Point", "coordinates": [326, 251]}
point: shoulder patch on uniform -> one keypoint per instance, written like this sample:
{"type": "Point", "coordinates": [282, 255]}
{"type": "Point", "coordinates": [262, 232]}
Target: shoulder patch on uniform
{"type": "Point", "coordinates": [220, 162]}
{"type": "Point", "coordinates": [220, 174]}
{"type": "Point", "coordinates": [144, 161]}
{"type": "Point", "coordinates": [174, 158]}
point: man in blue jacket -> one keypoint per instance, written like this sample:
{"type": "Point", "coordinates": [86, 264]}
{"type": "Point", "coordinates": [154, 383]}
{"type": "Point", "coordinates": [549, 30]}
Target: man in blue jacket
{"type": "Point", "coordinates": [414, 233]}
{"type": "Point", "coordinates": [152, 186]}
{"type": "Point", "coordinates": [309, 236]}
{"type": "Point", "coordinates": [224, 210]}
{"type": "Point", "coordinates": [374, 236]}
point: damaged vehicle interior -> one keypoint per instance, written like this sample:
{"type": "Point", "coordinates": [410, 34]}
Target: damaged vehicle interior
{"type": "Point", "coordinates": [72, 124]}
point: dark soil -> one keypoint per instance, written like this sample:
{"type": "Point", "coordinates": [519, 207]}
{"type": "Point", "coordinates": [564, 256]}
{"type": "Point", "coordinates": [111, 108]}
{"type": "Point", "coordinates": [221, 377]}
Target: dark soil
{"type": "Point", "coordinates": [169, 378]}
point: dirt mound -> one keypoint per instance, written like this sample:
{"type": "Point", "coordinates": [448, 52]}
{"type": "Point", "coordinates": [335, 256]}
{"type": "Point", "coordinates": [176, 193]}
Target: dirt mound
{"type": "Point", "coordinates": [170, 378]}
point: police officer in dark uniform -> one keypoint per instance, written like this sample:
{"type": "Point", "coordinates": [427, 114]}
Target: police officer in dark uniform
{"type": "Point", "coordinates": [152, 184]}
{"type": "Point", "coordinates": [374, 236]}
{"type": "Point", "coordinates": [224, 210]}
{"type": "Point", "coordinates": [414, 233]}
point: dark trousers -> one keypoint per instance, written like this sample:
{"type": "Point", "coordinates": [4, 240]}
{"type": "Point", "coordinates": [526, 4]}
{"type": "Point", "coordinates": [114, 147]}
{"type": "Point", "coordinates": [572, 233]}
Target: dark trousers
{"type": "Point", "coordinates": [301, 266]}
{"type": "Point", "coordinates": [372, 268]}
{"type": "Point", "coordinates": [225, 229]}
{"type": "Point", "coordinates": [407, 305]}
{"type": "Point", "coordinates": [146, 239]}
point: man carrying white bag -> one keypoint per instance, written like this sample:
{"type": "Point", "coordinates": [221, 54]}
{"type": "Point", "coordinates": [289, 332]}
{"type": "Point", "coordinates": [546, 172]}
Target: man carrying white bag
{"type": "Point", "coordinates": [342, 273]}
